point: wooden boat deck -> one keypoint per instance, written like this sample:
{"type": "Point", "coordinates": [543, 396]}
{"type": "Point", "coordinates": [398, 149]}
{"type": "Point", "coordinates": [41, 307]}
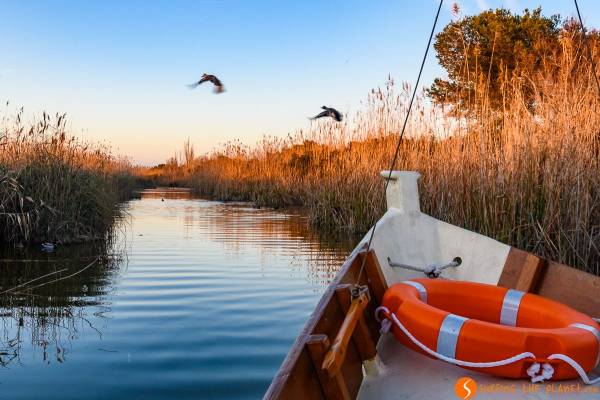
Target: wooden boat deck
{"type": "Point", "coordinates": [406, 374]}
{"type": "Point", "coordinates": [407, 236]}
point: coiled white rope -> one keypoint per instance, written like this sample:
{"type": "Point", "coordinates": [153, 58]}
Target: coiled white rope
{"type": "Point", "coordinates": [532, 371]}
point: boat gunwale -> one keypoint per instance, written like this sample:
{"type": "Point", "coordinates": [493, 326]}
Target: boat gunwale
{"type": "Point", "coordinates": [284, 373]}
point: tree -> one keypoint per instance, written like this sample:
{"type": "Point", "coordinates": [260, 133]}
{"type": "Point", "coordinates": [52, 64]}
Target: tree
{"type": "Point", "coordinates": [487, 50]}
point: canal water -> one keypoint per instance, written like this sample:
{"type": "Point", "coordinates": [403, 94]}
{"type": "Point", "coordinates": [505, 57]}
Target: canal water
{"type": "Point", "coordinates": [193, 299]}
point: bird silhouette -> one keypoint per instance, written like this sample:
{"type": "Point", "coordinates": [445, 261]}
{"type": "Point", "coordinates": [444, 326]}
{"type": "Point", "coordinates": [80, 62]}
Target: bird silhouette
{"type": "Point", "coordinates": [219, 88]}
{"type": "Point", "coordinates": [329, 112]}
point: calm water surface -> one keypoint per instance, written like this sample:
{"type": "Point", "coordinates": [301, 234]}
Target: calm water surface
{"type": "Point", "coordinates": [195, 300]}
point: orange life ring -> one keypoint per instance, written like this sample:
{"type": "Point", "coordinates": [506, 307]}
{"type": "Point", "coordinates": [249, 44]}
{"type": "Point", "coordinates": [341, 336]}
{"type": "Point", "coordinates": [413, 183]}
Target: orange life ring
{"type": "Point", "coordinates": [482, 323]}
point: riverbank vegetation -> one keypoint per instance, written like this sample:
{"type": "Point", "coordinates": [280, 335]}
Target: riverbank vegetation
{"type": "Point", "coordinates": [508, 149]}
{"type": "Point", "coordinates": [54, 187]}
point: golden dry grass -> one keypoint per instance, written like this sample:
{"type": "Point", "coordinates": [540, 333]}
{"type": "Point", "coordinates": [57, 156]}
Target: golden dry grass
{"type": "Point", "coordinates": [54, 187]}
{"type": "Point", "coordinates": [527, 178]}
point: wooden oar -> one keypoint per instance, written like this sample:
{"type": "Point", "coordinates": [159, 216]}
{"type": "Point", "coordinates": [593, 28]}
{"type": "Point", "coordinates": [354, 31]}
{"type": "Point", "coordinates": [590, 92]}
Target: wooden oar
{"type": "Point", "coordinates": [335, 356]}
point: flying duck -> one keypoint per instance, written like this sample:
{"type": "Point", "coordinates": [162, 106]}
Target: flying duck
{"type": "Point", "coordinates": [219, 88]}
{"type": "Point", "coordinates": [329, 112]}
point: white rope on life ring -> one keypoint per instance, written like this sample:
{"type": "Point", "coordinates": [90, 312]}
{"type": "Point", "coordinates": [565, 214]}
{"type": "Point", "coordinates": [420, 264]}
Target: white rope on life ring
{"type": "Point", "coordinates": [532, 371]}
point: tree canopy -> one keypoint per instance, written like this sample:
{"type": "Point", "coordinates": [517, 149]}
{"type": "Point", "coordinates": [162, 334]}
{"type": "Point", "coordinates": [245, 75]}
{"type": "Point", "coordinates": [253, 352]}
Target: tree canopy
{"type": "Point", "coordinates": [489, 49]}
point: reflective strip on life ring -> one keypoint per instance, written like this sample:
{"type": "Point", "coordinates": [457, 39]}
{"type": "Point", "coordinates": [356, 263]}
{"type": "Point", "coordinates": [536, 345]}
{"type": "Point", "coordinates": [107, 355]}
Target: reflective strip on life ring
{"type": "Point", "coordinates": [510, 307]}
{"type": "Point", "coordinates": [422, 290]}
{"type": "Point", "coordinates": [448, 336]}
{"type": "Point", "coordinates": [594, 332]}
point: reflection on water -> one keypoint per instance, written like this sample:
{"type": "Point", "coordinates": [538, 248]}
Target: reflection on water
{"type": "Point", "coordinates": [165, 193]}
{"type": "Point", "coordinates": [198, 299]}
{"type": "Point", "coordinates": [46, 299]}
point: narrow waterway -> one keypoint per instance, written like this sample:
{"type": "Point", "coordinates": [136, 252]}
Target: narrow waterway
{"type": "Point", "coordinates": [193, 300]}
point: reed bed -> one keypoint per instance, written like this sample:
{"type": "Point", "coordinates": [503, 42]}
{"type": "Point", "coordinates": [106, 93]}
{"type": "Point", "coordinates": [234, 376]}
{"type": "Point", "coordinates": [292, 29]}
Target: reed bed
{"type": "Point", "coordinates": [527, 174]}
{"type": "Point", "coordinates": [54, 187]}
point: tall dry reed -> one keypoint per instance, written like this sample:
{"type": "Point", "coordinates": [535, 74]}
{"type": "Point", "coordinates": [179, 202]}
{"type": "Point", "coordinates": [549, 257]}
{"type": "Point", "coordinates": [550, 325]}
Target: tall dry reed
{"type": "Point", "coordinates": [527, 175]}
{"type": "Point", "coordinates": [54, 187]}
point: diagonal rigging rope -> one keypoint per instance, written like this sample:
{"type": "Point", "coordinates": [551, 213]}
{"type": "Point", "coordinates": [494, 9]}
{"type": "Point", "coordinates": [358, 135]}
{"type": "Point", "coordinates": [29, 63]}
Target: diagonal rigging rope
{"type": "Point", "coordinates": [394, 159]}
{"type": "Point", "coordinates": [592, 63]}
{"type": "Point", "coordinates": [589, 48]}
{"type": "Point", "coordinates": [397, 151]}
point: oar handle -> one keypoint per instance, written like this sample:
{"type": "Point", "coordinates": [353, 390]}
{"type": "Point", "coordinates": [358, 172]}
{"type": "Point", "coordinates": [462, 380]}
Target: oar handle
{"type": "Point", "coordinates": [337, 353]}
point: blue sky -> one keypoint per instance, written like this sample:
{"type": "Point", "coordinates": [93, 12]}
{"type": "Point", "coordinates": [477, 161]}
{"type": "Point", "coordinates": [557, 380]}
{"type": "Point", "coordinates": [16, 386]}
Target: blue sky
{"type": "Point", "coordinates": [119, 69]}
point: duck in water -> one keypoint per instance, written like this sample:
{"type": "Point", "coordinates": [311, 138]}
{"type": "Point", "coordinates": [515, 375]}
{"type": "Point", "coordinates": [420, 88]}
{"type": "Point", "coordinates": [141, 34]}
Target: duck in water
{"type": "Point", "coordinates": [48, 247]}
